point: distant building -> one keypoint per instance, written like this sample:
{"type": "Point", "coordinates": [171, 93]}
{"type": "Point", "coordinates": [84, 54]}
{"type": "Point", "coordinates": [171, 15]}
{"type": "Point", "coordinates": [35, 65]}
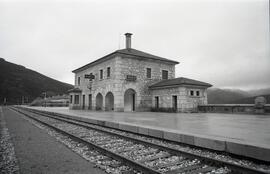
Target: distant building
{"type": "Point", "coordinates": [132, 80]}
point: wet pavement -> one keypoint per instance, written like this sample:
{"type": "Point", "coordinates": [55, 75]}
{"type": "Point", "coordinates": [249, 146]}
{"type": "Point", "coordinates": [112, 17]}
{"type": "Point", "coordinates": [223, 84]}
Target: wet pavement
{"type": "Point", "coordinates": [239, 128]}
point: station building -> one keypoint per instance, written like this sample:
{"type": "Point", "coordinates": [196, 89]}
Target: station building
{"type": "Point", "coordinates": [132, 80]}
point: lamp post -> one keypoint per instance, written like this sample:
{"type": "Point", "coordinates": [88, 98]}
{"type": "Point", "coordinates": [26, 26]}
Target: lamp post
{"type": "Point", "coordinates": [5, 101]}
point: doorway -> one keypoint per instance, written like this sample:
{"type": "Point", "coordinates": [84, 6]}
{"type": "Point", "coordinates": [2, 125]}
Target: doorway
{"type": "Point", "coordinates": [109, 102]}
{"type": "Point", "coordinates": [130, 100]}
{"type": "Point", "coordinates": [90, 101]}
{"type": "Point", "coordinates": [99, 101]}
{"type": "Point", "coordinates": [83, 104]}
{"type": "Point", "coordinates": [174, 102]}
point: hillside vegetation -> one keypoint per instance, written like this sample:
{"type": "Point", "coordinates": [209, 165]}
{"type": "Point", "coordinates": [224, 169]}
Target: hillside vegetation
{"type": "Point", "coordinates": [235, 96]}
{"type": "Point", "coordinates": [18, 82]}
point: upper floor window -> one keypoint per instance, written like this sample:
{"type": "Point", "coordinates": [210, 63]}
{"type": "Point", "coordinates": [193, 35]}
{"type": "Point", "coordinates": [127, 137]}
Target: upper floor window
{"type": "Point", "coordinates": [101, 74]}
{"type": "Point", "coordinates": [164, 74]}
{"type": "Point", "coordinates": [108, 71]}
{"type": "Point", "coordinates": [197, 93]}
{"type": "Point", "coordinates": [79, 81]}
{"type": "Point", "coordinates": [148, 73]}
{"type": "Point", "coordinates": [192, 93]}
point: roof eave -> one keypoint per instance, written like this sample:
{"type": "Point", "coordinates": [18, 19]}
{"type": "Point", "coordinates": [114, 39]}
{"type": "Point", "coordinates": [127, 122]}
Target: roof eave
{"type": "Point", "coordinates": [94, 62]}
{"type": "Point", "coordinates": [178, 85]}
{"type": "Point", "coordinates": [74, 90]}
{"type": "Point", "coordinates": [171, 61]}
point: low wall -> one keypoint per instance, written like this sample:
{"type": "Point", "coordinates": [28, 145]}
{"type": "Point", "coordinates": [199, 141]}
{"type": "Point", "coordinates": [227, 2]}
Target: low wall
{"type": "Point", "coordinates": [234, 108]}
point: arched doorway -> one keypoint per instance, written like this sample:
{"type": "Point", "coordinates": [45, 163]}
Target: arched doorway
{"type": "Point", "coordinates": [99, 101]}
{"type": "Point", "coordinates": [109, 102]}
{"type": "Point", "coordinates": [130, 100]}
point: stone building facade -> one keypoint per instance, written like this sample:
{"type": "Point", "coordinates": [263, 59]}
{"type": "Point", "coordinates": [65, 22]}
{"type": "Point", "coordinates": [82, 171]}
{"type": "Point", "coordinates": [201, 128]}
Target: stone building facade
{"type": "Point", "coordinates": [132, 80]}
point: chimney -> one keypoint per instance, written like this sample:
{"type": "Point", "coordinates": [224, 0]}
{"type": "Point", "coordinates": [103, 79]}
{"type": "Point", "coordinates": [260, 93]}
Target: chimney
{"type": "Point", "coordinates": [128, 40]}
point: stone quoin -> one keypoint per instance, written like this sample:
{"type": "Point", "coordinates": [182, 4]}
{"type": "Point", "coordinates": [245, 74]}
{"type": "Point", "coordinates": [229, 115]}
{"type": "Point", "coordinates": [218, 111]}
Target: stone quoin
{"type": "Point", "coordinates": [132, 80]}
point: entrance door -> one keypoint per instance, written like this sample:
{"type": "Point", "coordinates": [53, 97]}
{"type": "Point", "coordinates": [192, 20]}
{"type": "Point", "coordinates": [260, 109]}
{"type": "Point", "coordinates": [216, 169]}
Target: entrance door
{"type": "Point", "coordinates": [174, 102]}
{"type": "Point", "coordinates": [109, 102]}
{"type": "Point", "coordinates": [133, 102]}
{"type": "Point", "coordinates": [99, 102]}
{"type": "Point", "coordinates": [157, 102]}
{"type": "Point", "coordinates": [130, 100]}
{"type": "Point", "coordinates": [90, 102]}
{"type": "Point", "coordinates": [83, 104]}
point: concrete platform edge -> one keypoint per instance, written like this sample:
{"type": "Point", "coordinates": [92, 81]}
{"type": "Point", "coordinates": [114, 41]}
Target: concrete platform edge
{"type": "Point", "coordinates": [246, 150]}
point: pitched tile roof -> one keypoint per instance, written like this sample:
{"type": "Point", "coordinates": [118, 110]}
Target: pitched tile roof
{"type": "Point", "coordinates": [130, 52]}
{"type": "Point", "coordinates": [178, 82]}
{"type": "Point", "coordinates": [75, 90]}
{"type": "Point", "coordinates": [134, 52]}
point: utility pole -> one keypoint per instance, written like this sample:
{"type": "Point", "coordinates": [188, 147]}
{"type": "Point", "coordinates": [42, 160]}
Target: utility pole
{"type": "Point", "coordinates": [5, 101]}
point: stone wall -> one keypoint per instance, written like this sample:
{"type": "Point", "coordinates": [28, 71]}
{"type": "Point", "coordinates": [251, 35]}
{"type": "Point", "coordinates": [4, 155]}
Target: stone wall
{"type": "Point", "coordinates": [185, 102]}
{"type": "Point", "coordinates": [102, 86]}
{"type": "Point", "coordinates": [117, 83]}
{"type": "Point", "coordinates": [137, 67]}
{"type": "Point", "coordinates": [233, 108]}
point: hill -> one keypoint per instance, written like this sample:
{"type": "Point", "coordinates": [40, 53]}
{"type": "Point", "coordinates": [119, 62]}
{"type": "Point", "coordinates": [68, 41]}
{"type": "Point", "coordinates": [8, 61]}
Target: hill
{"type": "Point", "coordinates": [17, 82]}
{"type": "Point", "coordinates": [250, 100]}
{"type": "Point", "coordinates": [225, 96]}
{"type": "Point", "coordinates": [235, 96]}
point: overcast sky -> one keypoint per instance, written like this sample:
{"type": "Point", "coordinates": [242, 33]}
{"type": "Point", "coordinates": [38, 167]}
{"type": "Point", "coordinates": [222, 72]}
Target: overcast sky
{"type": "Point", "coordinates": [222, 42]}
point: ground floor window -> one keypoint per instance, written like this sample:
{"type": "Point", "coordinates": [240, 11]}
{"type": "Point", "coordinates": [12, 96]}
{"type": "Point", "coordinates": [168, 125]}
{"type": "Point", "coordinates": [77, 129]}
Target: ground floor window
{"type": "Point", "coordinates": [90, 101]}
{"type": "Point", "coordinates": [174, 102]}
{"type": "Point", "coordinates": [76, 99]}
{"type": "Point", "coordinates": [71, 99]}
{"type": "Point", "coordinates": [157, 102]}
{"type": "Point", "coordinates": [83, 106]}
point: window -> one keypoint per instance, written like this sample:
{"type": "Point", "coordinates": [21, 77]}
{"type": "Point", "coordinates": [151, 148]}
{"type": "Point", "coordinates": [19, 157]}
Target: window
{"type": "Point", "coordinates": [76, 99]}
{"type": "Point", "coordinates": [71, 98]}
{"type": "Point", "coordinates": [108, 71]}
{"type": "Point", "coordinates": [192, 93]}
{"type": "Point", "coordinates": [174, 102]}
{"type": "Point", "coordinates": [148, 73]}
{"type": "Point", "coordinates": [157, 102]}
{"type": "Point", "coordinates": [164, 74]}
{"type": "Point", "coordinates": [101, 74]}
{"type": "Point", "coordinates": [79, 81]}
{"type": "Point", "coordinates": [197, 93]}
{"type": "Point", "coordinates": [83, 105]}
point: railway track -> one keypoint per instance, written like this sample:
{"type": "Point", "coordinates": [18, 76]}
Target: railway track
{"type": "Point", "coordinates": [139, 154]}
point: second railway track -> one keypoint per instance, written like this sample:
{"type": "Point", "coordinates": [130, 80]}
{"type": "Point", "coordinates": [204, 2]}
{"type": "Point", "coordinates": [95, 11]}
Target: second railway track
{"type": "Point", "coordinates": [139, 154]}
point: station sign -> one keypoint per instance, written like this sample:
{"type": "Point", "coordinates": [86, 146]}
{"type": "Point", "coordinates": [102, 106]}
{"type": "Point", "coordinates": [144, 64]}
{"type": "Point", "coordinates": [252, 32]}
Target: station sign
{"type": "Point", "coordinates": [89, 76]}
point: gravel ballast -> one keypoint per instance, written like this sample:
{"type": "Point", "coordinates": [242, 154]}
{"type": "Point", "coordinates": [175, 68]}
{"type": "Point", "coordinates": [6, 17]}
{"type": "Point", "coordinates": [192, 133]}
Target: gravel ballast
{"type": "Point", "coordinates": [8, 161]}
{"type": "Point", "coordinates": [38, 152]}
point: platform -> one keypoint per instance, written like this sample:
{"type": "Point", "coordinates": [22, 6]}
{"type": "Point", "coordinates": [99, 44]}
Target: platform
{"type": "Point", "coordinates": [246, 135]}
{"type": "Point", "coordinates": [37, 152]}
